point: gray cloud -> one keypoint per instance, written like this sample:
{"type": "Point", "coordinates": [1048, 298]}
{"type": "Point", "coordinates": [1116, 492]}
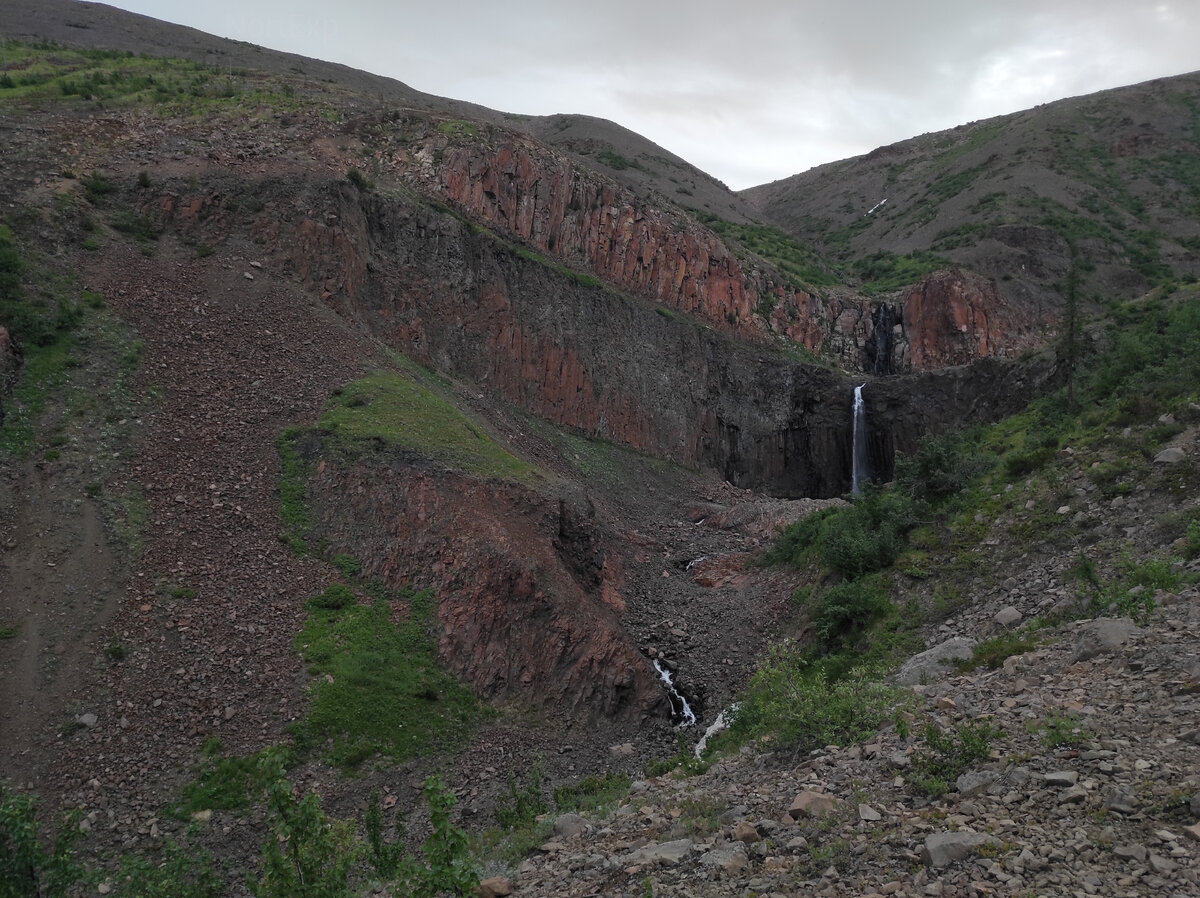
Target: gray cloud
{"type": "Point", "coordinates": [749, 92]}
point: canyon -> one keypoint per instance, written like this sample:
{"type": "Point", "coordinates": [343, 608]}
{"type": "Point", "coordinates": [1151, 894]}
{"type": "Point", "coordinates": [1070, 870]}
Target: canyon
{"type": "Point", "coordinates": [229, 262]}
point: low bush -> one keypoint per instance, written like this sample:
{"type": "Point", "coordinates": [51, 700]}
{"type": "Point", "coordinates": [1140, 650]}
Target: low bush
{"type": "Point", "coordinates": [791, 702]}
{"type": "Point", "coordinates": [28, 866]}
{"type": "Point", "coordinates": [842, 613]}
{"type": "Point", "coordinates": [521, 803]}
{"type": "Point", "coordinates": [942, 467]}
{"type": "Point", "coordinates": [947, 754]}
{"type": "Point", "coordinates": [591, 792]}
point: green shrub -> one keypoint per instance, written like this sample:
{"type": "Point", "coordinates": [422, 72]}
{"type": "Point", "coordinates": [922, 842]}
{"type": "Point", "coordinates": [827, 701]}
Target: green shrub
{"type": "Point", "coordinates": [388, 858]}
{"type": "Point", "coordinates": [223, 783]}
{"type": "Point", "coordinates": [1191, 547]}
{"type": "Point", "coordinates": [946, 755]}
{"type": "Point", "coordinates": [790, 702]}
{"type": "Point", "coordinates": [359, 180]}
{"type": "Point", "coordinates": [942, 466]}
{"type": "Point", "coordinates": [591, 792]}
{"type": "Point", "coordinates": [347, 564]}
{"type": "Point", "coordinates": [97, 185]}
{"type": "Point", "coordinates": [448, 865]}
{"type": "Point", "coordinates": [1021, 464]}
{"type": "Point", "coordinates": [868, 535]}
{"type": "Point", "coordinates": [185, 872]}
{"type": "Point", "coordinates": [794, 541]}
{"type": "Point", "coordinates": [306, 855]}
{"type": "Point", "coordinates": [521, 804]}
{"type": "Point", "coordinates": [335, 597]}
{"type": "Point", "coordinates": [990, 653]}
{"type": "Point", "coordinates": [843, 612]}
{"type": "Point", "coordinates": [28, 869]}
{"type": "Point", "coordinates": [1058, 730]}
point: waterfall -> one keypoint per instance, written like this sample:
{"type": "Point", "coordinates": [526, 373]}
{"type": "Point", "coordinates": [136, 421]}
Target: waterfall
{"type": "Point", "coordinates": [858, 461]}
{"type": "Point", "coordinates": [679, 704]}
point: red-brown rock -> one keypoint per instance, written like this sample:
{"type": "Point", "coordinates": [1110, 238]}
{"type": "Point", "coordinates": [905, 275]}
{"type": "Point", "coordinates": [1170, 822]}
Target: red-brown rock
{"type": "Point", "coordinates": [952, 318]}
{"type": "Point", "coordinates": [526, 614]}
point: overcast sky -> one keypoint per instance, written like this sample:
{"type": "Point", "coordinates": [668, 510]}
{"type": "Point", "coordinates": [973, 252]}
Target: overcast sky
{"type": "Point", "coordinates": [749, 91]}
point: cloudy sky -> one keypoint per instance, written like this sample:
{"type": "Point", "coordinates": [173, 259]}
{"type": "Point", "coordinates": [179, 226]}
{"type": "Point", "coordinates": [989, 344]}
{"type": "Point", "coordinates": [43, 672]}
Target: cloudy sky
{"type": "Point", "coordinates": [749, 91]}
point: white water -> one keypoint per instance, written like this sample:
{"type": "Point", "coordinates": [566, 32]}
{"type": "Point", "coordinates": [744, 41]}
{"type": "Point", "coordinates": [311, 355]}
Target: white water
{"type": "Point", "coordinates": [858, 461]}
{"type": "Point", "coordinates": [688, 719]}
{"type": "Point", "coordinates": [724, 719]}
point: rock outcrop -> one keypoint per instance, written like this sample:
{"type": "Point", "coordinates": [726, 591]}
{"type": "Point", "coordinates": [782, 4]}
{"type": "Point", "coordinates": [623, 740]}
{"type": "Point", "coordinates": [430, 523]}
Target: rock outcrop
{"type": "Point", "coordinates": [529, 599]}
{"type": "Point", "coordinates": [953, 318]}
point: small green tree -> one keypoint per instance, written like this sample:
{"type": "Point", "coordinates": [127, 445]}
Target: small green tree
{"type": "Point", "coordinates": [306, 855]}
{"type": "Point", "coordinates": [448, 865]}
{"type": "Point", "coordinates": [27, 869]}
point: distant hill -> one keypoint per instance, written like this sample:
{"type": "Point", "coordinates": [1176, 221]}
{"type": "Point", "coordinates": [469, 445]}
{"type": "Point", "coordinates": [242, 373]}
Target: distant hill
{"type": "Point", "coordinates": [1115, 173]}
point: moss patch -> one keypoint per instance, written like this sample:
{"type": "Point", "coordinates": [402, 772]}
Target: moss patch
{"type": "Point", "coordinates": [377, 688]}
{"type": "Point", "coordinates": [389, 409]}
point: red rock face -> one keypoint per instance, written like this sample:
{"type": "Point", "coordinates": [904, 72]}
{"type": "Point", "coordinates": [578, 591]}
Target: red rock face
{"type": "Point", "coordinates": [528, 613]}
{"type": "Point", "coordinates": [523, 189]}
{"type": "Point", "coordinates": [952, 318]}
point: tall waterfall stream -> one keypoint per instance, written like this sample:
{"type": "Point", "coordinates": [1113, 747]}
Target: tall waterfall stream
{"type": "Point", "coordinates": [858, 460]}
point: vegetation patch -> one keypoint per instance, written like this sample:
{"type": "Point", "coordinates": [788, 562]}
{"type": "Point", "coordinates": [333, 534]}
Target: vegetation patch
{"type": "Point", "coordinates": [947, 754]}
{"type": "Point", "coordinates": [796, 262]}
{"type": "Point", "coordinates": [394, 411]}
{"type": "Point", "coordinates": [222, 783]}
{"type": "Point", "coordinates": [581, 278]}
{"type": "Point", "coordinates": [591, 792]}
{"type": "Point", "coordinates": [792, 703]}
{"type": "Point", "coordinates": [883, 271]}
{"type": "Point", "coordinates": [990, 653]}
{"type": "Point", "coordinates": [377, 687]}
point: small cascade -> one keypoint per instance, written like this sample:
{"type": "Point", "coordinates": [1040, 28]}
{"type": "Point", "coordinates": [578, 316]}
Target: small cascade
{"type": "Point", "coordinates": [679, 704]}
{"type": "Point", "coordinates": [724, 719]}
{"type": "Point", "coordinates": [858, 460]}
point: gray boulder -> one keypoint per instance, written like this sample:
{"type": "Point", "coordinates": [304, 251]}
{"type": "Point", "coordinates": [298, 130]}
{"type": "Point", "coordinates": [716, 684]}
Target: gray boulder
{"type": "Point", "coordinates": [934, 663]}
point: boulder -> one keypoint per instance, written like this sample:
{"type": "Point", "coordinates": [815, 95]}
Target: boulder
{"type": "Point", "coordinates": [934, 663]}
{"type": "Point", "coordinates": [1103, 635]}
{"type": "Point", "coordinates": [1172, 455]}
{"type": "Point", "coordinates": [811, 804]}
{"type": "Point", "coordinates": [494, 887]}
{"type": "Point", "coordinates": [666, 853]}
{"type": "Point", "coordinates": [942, 849]}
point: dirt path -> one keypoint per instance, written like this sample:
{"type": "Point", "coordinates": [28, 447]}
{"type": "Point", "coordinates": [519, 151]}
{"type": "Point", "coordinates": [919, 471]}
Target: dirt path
{"type": "Point", "coordinates": [59, 585]}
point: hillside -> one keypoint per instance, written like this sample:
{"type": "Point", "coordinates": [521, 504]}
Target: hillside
{"type": "Point", "coordinates": [351, 437]}
{"type": "Point", "coordinates": [1114, 174]}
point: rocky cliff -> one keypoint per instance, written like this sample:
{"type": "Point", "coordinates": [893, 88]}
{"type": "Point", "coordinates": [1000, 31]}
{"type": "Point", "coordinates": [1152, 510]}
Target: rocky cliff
{"type": "Point", "coordinates": [528, 596]}
{"type": "Point", "coordinates": [469, 303]}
